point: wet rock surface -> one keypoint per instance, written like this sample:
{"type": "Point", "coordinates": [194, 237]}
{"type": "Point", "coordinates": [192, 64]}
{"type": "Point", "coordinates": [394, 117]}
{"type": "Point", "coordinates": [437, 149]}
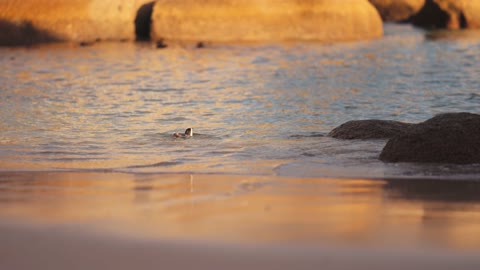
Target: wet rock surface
{"type": "Point", "coordinates": [369, 129]}
{"type": "Point", "coordinates": [445, 138]}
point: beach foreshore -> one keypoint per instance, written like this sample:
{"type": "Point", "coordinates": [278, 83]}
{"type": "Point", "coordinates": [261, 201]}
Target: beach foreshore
{"type": "Point", "coordinates": [112, 220]}
{"type": "Point", "coordinates": [73, 247]}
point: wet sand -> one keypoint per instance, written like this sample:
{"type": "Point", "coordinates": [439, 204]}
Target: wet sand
{"type": "Point", "coordinates": [71, 247]}
{"type": "Point", "coordinates": [106, 220]}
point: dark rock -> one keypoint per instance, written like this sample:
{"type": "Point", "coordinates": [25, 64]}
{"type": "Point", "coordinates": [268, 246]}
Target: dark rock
{"type": "Point", "coordinates": [23, 33]}
{"type": "Point", "coordinates": [369, 129]}
{"type": "Point", "coordinates": [160, 44]}
{"type": "Point", "coordinates": [143, 21]}
{"type": "Point", "coordinates": [85, 44]}
{"type": "Point", "coordinates": [397, 10]}
{"type": "Point", "coordinates": [448, 14]}
{"type": "Point", "coordinates": [445, 138]}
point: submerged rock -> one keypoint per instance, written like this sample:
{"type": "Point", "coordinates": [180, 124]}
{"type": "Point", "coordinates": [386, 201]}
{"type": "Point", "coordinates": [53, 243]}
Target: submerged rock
{"type": "Point", "coordinates": [227, 21]}
{"type": "Point", "coordinates": [368, 129]}
{"type": "Point", "coordinates": [445, 138]}
{"type": "Point", "coordinates": [449, 14]}
{"type": "Point", "coordinates": [397, 10]}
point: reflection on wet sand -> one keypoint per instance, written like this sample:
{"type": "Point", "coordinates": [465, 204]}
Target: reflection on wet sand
{"type": "Point", "coordinates": [252, 208]}
{"type": "Point", "coordinates": [445, 205]}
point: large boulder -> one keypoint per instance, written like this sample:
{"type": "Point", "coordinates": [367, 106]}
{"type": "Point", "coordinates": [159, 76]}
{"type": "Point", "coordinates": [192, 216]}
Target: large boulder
{"type": "Point", "coordinates": [449, 14]}
{"type": "Point", "coordinates": [369, 129]}
{"type": "Point", "coordinates": [24, 22]}
{"type": "Point", "coordinates": [227, 21]}
{"type": "Point", "coordinates": [445, 138]}
{"type": "Point", "coordinates": [397, 10]}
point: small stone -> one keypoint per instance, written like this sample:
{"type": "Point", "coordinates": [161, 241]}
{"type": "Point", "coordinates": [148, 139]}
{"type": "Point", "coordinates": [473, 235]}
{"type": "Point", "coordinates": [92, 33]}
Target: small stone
{"type": "Point", "coordinates": [161, 44]}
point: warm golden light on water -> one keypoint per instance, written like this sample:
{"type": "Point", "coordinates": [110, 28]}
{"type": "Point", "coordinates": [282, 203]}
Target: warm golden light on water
{"type": "Point", "coordinates": [86, 146]}
{"type": "Point", "coordinates": [248, 208]}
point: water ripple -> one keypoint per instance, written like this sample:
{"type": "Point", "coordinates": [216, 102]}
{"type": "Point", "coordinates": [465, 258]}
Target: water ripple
{"type": "Point", "coordinates": [255, 107]}
{"type": "Point", "coordinates": [159, 164]}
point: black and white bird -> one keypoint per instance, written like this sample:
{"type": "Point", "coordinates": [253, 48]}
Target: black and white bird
{"type": "Point", "coordinates": [188, 133]}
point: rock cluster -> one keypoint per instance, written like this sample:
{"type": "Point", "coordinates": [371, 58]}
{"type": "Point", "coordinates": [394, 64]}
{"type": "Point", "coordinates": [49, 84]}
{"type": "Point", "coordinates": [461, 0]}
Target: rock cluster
{"type": "Point", "coordinates": [446, 138]}
{"type": "Point", "coordinates": [437, 14]}
{"type": "Point", "coordinates": [24, 22]}
{"type": "Point", "coordinates": [449, 14]}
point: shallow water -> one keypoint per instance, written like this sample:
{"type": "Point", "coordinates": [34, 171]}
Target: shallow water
{"type": "Point", "coordinates": [258, 109]}
{"type": "Point", "coordinates": [259, 167]}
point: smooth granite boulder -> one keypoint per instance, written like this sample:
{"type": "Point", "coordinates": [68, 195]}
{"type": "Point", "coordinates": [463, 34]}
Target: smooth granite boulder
{"type": "Point", "coordinates": [445, 138]}
{"type": "Point", "coordinates": [449, 14]}
{"type": "Point", "coordinates": [25, 22]}
{"type": "Point", "coordinates": [237, 21]}
{"type": "Point", "coordinates": [397, 10]}
{"type": "Point", "coordinates": [369, 129]}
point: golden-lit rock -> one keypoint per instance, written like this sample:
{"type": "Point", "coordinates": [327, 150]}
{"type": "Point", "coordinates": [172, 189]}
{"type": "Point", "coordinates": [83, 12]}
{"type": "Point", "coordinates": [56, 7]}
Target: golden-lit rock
{"type": "Point", "coordinates": [227, 21]}
{"type": "Point", "coordinates": [397, 10]}
{"type": "Point", "coordinates": [449, 14]}
{"type": "Point", "coordinates": [32, 21]}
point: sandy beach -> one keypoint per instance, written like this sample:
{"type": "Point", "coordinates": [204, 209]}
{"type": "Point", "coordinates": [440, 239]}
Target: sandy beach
{"type": "Point", "coordinates": [93, 220]}
{"type": "Point", "coordinates": [72, 247]}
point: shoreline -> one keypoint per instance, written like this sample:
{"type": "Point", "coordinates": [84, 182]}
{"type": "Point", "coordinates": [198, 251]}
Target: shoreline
{"type": "Point", "coordinates": [462, 178]}
{"type": "Point", "coordinates": [252, 209]}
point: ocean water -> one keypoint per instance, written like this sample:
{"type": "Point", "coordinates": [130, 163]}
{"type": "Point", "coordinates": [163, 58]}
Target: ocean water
{"type": "Point", "coordinates": [259, 109]}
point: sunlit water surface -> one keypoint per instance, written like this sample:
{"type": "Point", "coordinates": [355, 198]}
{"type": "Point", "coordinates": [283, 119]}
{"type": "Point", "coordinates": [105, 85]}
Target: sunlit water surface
{"type": "Point", "coordinates": [259, 167]}
{"type": "Point", "coordinates": [257, 109]}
